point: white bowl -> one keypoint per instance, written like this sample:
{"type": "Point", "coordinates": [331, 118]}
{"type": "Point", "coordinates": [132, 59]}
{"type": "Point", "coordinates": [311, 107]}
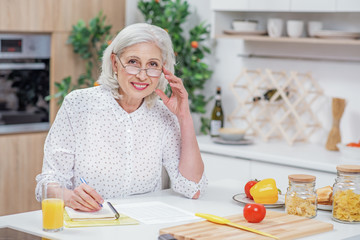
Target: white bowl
{"type": "Point", "coordinates": [350, 152]}
{"type": "Point", "coordinates": [231, 134]}
{"type": "Point", "coordinates": [244, 25]}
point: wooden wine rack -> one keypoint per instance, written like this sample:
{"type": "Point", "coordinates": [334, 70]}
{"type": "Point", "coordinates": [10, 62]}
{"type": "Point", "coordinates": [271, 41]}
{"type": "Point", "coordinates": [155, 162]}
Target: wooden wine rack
{"type": "Point", "coordinates": [290, 118]}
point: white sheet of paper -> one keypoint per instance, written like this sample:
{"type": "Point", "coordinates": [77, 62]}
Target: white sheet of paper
{"type": "Point", "coordinates": [155, 212]}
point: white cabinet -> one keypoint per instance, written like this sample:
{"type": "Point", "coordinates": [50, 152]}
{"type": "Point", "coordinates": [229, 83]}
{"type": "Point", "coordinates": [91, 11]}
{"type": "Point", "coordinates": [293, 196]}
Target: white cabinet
{"type": "Point", "coordinates": [218, 167]}
{"type": "Point", "coordinates": [229, 5]}
{"type": "Point", "coordinates": [269, 5]}
{"type": "Point", "coordinates": [313, 6]}
{"type": "Point", "coordinates": [280, 173]}
{"type": "Point", "coordinates": [348, 5]}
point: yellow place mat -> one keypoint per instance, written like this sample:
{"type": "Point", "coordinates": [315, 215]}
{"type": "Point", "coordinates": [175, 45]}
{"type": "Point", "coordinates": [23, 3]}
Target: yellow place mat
{"type": "Point", "coordinates": [123, 220]}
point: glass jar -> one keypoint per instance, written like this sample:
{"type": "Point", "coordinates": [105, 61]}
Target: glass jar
{"type": "Point", "coordinates": [346, 194]}
{"type": "Point", "coordinates": [300, 198]}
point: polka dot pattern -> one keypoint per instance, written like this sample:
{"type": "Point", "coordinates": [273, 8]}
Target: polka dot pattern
{"type": "Point", "coordinates": [119, 154]}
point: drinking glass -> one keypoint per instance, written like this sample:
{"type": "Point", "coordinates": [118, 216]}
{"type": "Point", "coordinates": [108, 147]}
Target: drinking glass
{"type": "Point", "coordinates": [52, 204]}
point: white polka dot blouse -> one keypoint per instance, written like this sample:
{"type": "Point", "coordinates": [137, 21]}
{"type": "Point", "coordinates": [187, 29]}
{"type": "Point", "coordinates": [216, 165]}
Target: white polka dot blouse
{"type": "Point", "coordinates": [119, 154]}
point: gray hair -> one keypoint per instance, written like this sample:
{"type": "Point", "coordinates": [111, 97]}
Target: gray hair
{"type": "Point", "coordinates": [130, 35]}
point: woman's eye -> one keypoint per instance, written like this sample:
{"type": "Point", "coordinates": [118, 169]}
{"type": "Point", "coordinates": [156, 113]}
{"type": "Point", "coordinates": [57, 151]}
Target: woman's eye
{"type": "Point", "coordinates": [133, 62]}
{"type": "Point", "coordinates": [153, 64]}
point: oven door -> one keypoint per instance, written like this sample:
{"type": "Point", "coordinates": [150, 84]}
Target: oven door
{"type": "Point", "coordinates": [24, 83]}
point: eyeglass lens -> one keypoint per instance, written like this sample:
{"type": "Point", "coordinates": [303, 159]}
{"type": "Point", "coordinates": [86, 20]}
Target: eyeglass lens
{"type": "Point", "coordinates": [151, 72]}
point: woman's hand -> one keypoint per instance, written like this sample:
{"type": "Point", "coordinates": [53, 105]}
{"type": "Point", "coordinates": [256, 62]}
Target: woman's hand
{"type": "Point", "coordinates": [83, 198]}
{"type": "Point", "coordinates": [178, 102]}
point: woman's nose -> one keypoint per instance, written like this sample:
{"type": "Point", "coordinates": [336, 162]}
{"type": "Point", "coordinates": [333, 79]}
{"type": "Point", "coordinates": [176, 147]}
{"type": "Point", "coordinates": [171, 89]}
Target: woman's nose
{"type": "Point", "coordinates": [142, 75]}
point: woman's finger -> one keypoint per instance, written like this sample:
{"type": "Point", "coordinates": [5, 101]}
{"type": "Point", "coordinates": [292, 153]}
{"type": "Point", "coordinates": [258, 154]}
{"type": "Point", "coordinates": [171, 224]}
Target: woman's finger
{"type": "Point", "coordinates": [170, 76]}
{"type": "Point", "coordinates": [87, 200]}
{"type": "Point", "coordinates": [162, 95]}
{"type": "Point", "coordinates": [76, 203]}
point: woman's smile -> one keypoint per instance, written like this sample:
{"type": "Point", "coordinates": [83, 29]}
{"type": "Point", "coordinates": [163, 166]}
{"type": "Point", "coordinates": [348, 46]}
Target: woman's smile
{"type": "Point", "coordinates": [140, 86]}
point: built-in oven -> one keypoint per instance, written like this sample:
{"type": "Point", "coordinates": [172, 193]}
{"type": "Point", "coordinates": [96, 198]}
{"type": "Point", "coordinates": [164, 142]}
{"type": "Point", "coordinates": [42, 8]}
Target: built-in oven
{"type": "Point", "coordinates": [24, 78]}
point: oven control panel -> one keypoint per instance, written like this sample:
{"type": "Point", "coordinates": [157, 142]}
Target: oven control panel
{"type": "Point", "coordinates": [15, 46]}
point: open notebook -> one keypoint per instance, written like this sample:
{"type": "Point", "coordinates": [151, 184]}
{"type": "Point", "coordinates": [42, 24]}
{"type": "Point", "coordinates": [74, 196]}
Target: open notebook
{"type": "Point", "coordinates": [104, 214]}
{"type": "Point", "coordinates": [103, 217]}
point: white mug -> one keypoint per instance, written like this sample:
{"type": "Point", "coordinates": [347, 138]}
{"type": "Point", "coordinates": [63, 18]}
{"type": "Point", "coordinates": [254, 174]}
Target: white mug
{"type": "Point", "coordinates": [295, 28]}
{"type": "Point", "coordinates": [275, 27]}
{"type": "Point", "coordinates": [313, 27]}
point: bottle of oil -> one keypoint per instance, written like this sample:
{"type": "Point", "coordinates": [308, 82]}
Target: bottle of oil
{"type": "Point", "coordinates": [268, 95]}
{"type": "Point", "coordinates": [217, 116]}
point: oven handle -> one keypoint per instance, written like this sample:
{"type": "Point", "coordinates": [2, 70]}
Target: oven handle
{"type": "Point", "coordinates": [22, 66]}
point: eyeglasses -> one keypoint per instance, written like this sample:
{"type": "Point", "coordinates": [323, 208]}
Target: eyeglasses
{"type": "Point", "coordinates": [151, 72]}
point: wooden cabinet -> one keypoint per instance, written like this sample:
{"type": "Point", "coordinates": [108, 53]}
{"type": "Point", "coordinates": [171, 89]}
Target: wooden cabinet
{"type": "Point", "coordinates": [26, 15]}
{"type": "Point", "coordinates": [21, 159]}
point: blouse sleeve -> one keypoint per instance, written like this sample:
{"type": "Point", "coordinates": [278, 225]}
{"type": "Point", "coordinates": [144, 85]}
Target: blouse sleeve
{"type": "Point", "coordinates": [59, 152]}
{"type": "Point", "coordinates": [171, 145]}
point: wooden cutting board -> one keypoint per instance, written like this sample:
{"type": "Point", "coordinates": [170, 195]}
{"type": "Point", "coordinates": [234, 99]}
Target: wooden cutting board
{"type": "Point", "coordinates": [278, 224]}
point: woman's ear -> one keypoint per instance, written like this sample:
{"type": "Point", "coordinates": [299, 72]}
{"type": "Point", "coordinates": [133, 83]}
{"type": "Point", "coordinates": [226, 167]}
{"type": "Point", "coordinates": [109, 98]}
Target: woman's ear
{"type": "Point", "coordinates": [114, 63]}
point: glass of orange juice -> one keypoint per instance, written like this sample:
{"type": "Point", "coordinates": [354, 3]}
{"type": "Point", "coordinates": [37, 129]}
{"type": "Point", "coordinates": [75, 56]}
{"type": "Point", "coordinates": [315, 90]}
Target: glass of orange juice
{"type": "Point", "coordinates": [52, 204]}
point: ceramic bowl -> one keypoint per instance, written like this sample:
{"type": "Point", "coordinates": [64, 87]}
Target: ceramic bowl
{"type": "Point", "coordinates": [349, 152]}
{"type": "Point", "coordinates": [244, 25]}
{"type": "Point", "coordinates": [231, 134]}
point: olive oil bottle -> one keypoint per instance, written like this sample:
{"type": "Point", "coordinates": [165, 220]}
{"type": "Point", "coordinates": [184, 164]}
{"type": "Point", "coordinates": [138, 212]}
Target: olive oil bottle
{"type": "Point", "coordinates": [217, 116]}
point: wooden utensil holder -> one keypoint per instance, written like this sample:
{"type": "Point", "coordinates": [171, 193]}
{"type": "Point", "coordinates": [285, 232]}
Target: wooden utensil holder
{"type": "Point", "coordinates": [290, 118]}
{"type": "Point", "coordinates": [338, 106]}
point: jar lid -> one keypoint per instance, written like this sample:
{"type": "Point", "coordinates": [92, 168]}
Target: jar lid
{"type": "Point", "coordinates": [302, 178]}
{"type": "Point", "coordinates": [348, 168]}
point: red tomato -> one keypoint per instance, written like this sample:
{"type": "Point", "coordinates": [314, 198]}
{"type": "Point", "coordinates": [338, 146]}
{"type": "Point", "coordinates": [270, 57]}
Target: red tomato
{"type": "Point", "coordinates": [254, 212]}
{"type": "Point", "coordinates": [247, 187]}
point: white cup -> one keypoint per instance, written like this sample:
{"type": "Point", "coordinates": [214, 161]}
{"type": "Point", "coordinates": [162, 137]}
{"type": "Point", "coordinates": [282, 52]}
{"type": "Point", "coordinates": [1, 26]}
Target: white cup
{"type": "Point", "coordinates": [275, 27]}
{"type": "Point", "coordinates": [295, 28]}
{"type": "Point", "coordinates": [313, 27]}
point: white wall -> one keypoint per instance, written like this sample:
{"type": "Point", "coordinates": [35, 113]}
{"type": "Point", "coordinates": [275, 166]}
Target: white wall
{"type": "Point", "coordinates": [338, 79]}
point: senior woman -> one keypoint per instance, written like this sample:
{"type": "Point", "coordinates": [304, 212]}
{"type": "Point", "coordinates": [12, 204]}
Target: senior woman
{"type": "Point", "coordinates": [118, 135]}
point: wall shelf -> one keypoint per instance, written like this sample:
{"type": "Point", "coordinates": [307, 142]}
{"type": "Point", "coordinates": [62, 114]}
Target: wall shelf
{"type": "Point", "coordinates": [292, 40]}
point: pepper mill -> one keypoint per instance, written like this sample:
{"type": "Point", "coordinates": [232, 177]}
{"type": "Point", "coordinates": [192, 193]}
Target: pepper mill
{"type": "Point", "coordinates": [338, 106]}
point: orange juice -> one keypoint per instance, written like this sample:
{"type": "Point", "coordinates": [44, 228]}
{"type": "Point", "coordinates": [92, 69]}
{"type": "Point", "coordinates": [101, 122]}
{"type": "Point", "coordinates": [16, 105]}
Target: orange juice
{"type": "Point", "coordinates": [53, 214]}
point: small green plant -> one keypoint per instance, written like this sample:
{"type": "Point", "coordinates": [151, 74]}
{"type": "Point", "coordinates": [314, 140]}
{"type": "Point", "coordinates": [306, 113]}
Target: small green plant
{"type": "Point", "coordinates": [88, 42]}
{"type": "Point", "coordinates": [170, 15]}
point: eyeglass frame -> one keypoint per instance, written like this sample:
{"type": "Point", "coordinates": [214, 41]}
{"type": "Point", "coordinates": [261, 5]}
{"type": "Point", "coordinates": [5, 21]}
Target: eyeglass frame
{"type": "Point", "coordinates": [139, 69]}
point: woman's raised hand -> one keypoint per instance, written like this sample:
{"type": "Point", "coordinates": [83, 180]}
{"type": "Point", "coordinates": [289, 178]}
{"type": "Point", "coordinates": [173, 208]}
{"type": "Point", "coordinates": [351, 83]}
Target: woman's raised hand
{"type": "Point", "coordinates": [178, 102]}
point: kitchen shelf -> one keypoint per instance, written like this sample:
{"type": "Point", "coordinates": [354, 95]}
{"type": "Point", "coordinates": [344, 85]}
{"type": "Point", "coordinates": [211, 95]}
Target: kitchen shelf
{"type": "Point", "coordinates": [292, 40]}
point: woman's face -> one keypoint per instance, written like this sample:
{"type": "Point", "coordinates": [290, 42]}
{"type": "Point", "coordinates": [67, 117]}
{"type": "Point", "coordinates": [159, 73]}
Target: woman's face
{"type": "Point", "coordinates": [139, 85]}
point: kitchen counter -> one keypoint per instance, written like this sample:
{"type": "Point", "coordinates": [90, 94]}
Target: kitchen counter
{"type": "Point", "coordinates": [217, 200]}
{"type": "Point", "coordinates": [300, 155]}
{"type": "Point", "coordinates": [24, 128]}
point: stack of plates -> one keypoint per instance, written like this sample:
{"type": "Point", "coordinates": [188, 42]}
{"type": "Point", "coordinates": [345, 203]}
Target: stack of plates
{"type": "Point", "coordinates": [330, 34]}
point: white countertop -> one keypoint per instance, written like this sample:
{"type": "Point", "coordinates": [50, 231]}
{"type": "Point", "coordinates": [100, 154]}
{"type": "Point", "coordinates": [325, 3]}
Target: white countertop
{"type": "Point", "coordinates": [217, 200]}
{"type": "Point", "coordinates": [303, 155]}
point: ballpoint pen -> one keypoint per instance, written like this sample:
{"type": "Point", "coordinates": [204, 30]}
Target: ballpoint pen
{"type": "Point", "coordinates": [83, 181]}
{"type": "Point", "coordinates": [117, 215]}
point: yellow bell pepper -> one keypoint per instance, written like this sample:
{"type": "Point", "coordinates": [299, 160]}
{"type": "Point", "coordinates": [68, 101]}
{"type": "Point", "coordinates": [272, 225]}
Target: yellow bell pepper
{"type": "Point", "coordinates": [265, 191]}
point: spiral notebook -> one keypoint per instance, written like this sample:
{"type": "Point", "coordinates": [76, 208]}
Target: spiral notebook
{"type": "Point", "coordinates": [103, 217]}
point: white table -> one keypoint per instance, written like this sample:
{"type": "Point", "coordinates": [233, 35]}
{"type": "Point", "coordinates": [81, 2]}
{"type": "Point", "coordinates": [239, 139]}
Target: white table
{"type": "Point", "coordinates": [217, 200]}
